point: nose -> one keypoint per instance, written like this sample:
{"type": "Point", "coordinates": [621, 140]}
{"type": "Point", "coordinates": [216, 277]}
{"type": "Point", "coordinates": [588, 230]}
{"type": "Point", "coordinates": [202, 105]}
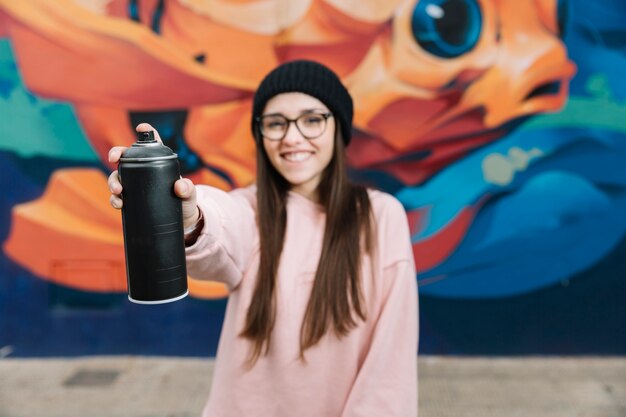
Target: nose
{"type": "Point", "coordinates": [293, 135]}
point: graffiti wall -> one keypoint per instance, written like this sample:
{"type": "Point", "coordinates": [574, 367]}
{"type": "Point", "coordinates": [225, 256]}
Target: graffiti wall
{"type": "Point", "coordinates": [500, 125]}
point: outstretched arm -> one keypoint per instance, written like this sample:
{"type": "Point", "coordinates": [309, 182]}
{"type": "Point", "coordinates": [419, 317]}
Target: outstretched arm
{"type": "Point", "coordinates": [226, 239]}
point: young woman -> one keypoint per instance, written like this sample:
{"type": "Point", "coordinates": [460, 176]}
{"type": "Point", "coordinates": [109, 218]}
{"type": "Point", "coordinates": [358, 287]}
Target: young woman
{"type": "Point", "coordinates": [322, 315]}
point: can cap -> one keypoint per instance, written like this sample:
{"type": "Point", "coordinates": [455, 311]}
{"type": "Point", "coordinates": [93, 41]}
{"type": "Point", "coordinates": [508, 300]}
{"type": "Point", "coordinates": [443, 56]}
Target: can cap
{"type": "Point", "coordinates": [146, 137]}
{"type": "Point", "coordinates": [147, 148]}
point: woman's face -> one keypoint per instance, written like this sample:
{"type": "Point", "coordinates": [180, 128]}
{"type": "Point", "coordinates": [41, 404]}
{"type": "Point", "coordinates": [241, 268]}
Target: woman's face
{"type": "Point", "coordinates": [299, 160]}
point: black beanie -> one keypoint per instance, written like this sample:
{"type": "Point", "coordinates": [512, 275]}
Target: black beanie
{"type": "Point", "coordinates": [310, 78]}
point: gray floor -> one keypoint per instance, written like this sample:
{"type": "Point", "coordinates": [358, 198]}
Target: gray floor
{"type": "Point", "coordinates": [449, 387]}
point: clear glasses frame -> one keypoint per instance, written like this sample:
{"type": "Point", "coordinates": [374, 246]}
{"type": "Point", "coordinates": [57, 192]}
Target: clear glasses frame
{"type": "Point", "coordinates": [278, 134]}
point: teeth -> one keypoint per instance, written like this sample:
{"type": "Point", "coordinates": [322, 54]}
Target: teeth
{"type": "Point", "coordinates": [297, 156]}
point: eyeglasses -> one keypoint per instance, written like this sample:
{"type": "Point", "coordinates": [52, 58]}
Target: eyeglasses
{"type": "Point", "coordinates": [310, 125]}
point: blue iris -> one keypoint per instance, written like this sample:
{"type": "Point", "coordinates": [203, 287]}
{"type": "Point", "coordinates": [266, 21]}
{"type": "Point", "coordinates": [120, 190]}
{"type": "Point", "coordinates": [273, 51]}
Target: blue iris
{"type": "Point", "coordinates": [447, 28]}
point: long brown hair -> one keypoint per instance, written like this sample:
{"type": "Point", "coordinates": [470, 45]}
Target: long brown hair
{"type": "Point", "coordinates": [336, 297]}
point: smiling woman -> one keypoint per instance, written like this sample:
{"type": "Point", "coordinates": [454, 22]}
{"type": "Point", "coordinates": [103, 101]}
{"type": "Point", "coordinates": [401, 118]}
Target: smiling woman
{"type": "Point", "coordinates": [320, 271]}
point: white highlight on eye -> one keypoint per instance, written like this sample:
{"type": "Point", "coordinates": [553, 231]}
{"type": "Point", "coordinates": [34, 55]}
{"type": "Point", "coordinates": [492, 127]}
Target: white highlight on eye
{"type": "Point", "coordinates": [500, 169]}
{"type": "Point", "coordinates": [434, 11]}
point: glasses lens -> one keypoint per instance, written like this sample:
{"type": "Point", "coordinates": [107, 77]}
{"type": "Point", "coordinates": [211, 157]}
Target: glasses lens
{"type": "Point", "coordinates": [274, 127]}
{"type": "Point", "coordinates": [311, 125]}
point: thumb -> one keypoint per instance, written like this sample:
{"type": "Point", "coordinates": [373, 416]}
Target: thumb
{"type": "Point", "coordinates": [186, 191]}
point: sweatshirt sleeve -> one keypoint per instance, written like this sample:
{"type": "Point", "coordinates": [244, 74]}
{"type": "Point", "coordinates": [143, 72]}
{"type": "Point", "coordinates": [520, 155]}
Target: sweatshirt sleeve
{"type": "Point", "coordinates": [223, 249]}
{"type": "Point", "coordinates": [386, 384]}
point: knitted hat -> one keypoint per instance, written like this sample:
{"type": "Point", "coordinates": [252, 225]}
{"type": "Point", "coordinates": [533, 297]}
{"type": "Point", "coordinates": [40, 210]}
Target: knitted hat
{"type": "Point", "coordinates": [310, 78]}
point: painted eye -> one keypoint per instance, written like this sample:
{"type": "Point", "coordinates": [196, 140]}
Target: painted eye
{"type": "Point", "coordinates": [447, 28]}
{"type": "Point", "coordinates": [562, 15]}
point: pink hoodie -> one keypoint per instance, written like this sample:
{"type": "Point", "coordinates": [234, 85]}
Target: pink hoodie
{"type": "Point", "coordinates": [372, 372]}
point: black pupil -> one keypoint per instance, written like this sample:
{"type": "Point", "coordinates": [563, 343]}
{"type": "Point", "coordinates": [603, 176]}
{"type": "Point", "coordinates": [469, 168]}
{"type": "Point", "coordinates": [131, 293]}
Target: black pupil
{"type": "Point", "coordinates": [453, 25]}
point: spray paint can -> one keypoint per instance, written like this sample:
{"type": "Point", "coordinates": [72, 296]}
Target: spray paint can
{"type": "Point", "coordinates": [152, 219]}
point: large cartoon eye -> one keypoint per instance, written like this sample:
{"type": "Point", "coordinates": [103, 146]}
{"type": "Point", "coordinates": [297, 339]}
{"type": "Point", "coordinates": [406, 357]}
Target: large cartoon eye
{"type": "Point", "coordinates": [447, 28]}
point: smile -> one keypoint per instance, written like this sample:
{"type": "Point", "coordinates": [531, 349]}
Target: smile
{"type": "Point", "coordinates": [297, 156]}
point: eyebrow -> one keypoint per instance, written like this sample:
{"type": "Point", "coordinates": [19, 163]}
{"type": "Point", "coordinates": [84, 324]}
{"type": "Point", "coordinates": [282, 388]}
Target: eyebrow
{"type": "Point", "coordinates": [305, 111]}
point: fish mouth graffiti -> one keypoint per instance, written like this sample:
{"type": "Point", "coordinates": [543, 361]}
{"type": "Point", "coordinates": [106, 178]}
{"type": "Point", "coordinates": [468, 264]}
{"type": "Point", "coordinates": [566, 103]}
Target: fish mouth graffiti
{"type": "Point", "coordinates": [432, 81]}
{"type": "Point", "coordinates": [452, 76]}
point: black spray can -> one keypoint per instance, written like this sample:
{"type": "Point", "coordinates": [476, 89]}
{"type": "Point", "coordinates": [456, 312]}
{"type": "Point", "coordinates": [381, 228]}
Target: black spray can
{"type": "Point", "coordinates": [152, 219]}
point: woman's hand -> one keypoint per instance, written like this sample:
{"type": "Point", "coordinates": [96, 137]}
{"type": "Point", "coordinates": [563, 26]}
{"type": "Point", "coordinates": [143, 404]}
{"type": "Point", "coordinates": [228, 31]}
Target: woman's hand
{"type": "Point", "coordinates": [183, 188]}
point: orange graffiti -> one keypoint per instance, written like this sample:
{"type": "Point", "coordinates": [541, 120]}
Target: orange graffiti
{"type": "Point", "coordinates": [415, 111]}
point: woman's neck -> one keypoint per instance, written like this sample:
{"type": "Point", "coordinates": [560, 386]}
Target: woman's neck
{"type": "Point", "coordinates": [310, 193]}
